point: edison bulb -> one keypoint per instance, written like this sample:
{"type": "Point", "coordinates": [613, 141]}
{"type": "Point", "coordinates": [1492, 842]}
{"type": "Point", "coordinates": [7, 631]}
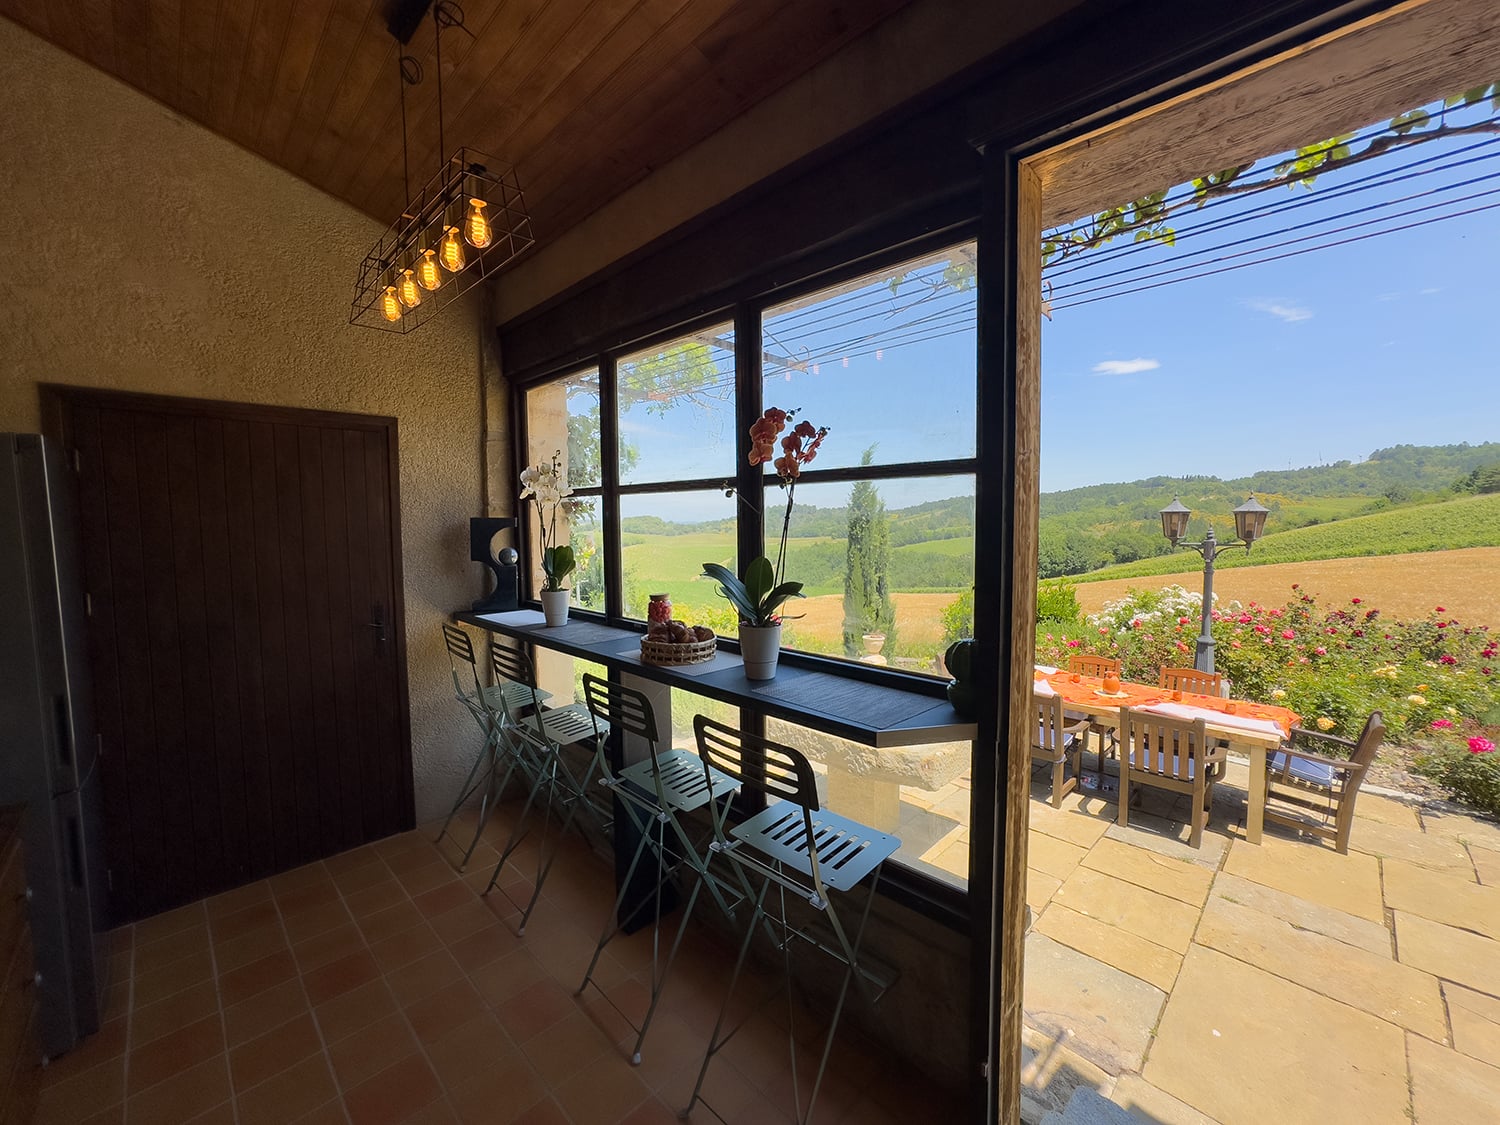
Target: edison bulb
{"type": "Point", "coordinates": [407, 290]}
{"type": "Point", "coordinates": [451, 250]}
{"type": "Point", "coordinates": [477, 225]}
{"type": "Point", "coordinates": [428, 275]}
{"type": "Point", "coordinates": [390, 307]}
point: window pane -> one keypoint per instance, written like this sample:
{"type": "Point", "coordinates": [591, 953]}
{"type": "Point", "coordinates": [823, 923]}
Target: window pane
{"type": "Point", "coordinates": [563, 417]}
{"type": "Point", "coordinates": [887, 362]}
{"type": "Point", "coordinates": [665, 540]}
{"type": "Point", "coordinates": [892, 557]}
{"type": "Point", "coordinates": [676, 409]}
{"type": "Point", "coordinates": [919, 793]}
{"type": "Point", "coordinates": [578, 525]}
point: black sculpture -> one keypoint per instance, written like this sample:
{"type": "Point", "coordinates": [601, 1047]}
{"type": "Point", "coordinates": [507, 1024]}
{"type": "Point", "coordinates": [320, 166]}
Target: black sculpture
{"type": "Point", "coordinates": [506, 594]}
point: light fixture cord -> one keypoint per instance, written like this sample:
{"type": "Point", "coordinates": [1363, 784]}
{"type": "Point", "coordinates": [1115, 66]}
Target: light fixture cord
{"type": "Point", "coordinates": [405, 168]}
{"type": "Point", "coordinates": [437, 37]}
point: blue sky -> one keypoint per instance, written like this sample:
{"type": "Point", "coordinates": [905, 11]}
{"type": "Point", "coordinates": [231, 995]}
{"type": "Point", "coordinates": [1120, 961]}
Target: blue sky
{"type": "Point", "coordinates": [1313, 358]}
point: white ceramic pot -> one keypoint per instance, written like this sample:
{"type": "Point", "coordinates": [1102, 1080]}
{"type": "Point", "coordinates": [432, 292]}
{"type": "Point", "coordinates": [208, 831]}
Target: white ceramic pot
{"type": "Point", "coordinates": [760, 648]}
{"type": "Point", "coordinates": [555, 607]}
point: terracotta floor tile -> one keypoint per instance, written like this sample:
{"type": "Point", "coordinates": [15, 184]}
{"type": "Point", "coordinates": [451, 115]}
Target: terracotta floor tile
{"type": "Point", "coordinates": [329, 946]}
{"type": "Point", "coordinates": [423, 977]}
{"type": "Point", "coordinates": [315, 920]}
{"type": "Point", "coordinates": [443, 898]}
{"type": "Point", "coordinates": [296, 1091]}
{"type": "Point", "coordinates": [570, 1046]}
{"type": "Point", "coordinates": [364, 1054]}
{"type": "Point", "coordinates": [463, 920]}
{"type": "Point", "coordinates": [158, 984]}
{"type": "Point", "coordinates": [355, 1010]}
{"type": "Point", "coordinates": [183, 1096]}
{"type": "Point", "coordinates": [472, 1048]}
{"type": "Point", "coordinates": [394, 1094]}
{"type": "Point", "coordinates": [263, 1011]}
{"type": "Point", "coordinates": [239, 952]}
{"type": "Point", "coordinates": [309, 874]}
{"type": "Point", "coordinates": [231, 902]}
{"type": "Point", "coordinates": [153, 955]}
{"type": "Point", "coordinates": [376, 897]}
{"type": "Point", "coordinates": [246, 981]}
{"type": "Point", "coordinates": [434, 1113]}
{"type": "Point", "coordinates": [406, 947]}
{"type": "Point", "coordinates": [498, 1096]}
{"type": "Point", "coordinates": [365, 875]}
{"type": "Point", "coordinates": [329, 1113]}
{"type": "Point", "coordinates": [651, 1112]}
{"type": "Point", "coordinates": [167, 923]}
{"type": "Point", "coordinates": [426, 877]}
{"type": "Point", "coordinates": [175, 1052]}
{"type": "Point", "coordinates": [297, 899]}
{"type": "Point", "coordinates": [534, 1009]}
{"type": "Point", "coordinates": [502, 979]}
{"type": "Point", "coordinates": [435, 1016]}
{"type": "Point", "coordinates": [152, 1021]}
{"type": "Point", "coordinates": [254, 1061]}
{"type": "Point", "coordinates": [352, 860]}
{"type": "Point", "coordinates": [489, 943]}
{"type": "Point", "coordinates": [545, 1112]}
{"type": "Point", "coordinates": [400, 916]}
{"type": "Point", "coordinates": [604, 1097]}
{"type": "Point", "coordinates": [221, 1114]}
{"type": "Point", "coordinates": [227, 927]}
{"type": "Point", "coordinates": [114, 1115]}
{"type": "Point", "coordinates": [339, 977]}
{"type": "Point", "coordinates": [86, 1093]}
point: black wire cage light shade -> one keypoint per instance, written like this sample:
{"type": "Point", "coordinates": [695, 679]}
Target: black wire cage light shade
{"type": "Point", "coordinates": [469, 222]}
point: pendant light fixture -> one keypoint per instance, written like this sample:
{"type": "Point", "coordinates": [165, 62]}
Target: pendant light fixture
{"type": "Point", "coordinates": [467, 223]}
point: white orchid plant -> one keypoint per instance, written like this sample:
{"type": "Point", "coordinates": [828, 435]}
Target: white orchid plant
{"type": "Point", "coordinates": [545, 487]}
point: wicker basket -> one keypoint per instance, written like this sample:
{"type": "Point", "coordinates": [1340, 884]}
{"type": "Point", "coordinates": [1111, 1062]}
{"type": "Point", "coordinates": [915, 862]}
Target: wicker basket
{"type": "Point", "coordinates": [667, 653]}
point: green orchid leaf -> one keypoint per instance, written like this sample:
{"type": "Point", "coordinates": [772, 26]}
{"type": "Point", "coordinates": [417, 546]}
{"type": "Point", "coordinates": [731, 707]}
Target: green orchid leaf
{"type": "Point", "coordinates": [760, 576]}
{"type": "Point", "coordinates": [732, 589]}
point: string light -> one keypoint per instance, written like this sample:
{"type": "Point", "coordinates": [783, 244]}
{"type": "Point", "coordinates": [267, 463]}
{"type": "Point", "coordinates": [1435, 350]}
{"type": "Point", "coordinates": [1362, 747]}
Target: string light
{"type": "Point", "coordinates": [477, 231]}
{"type": "Point", "coordinates": [390, 307]}
{"type": "Point", "coordinates": [407, 291]}
{"type": "Point", "coordinates": [429, 276]}
{"type": "Point", "coordinates": [452, 250]}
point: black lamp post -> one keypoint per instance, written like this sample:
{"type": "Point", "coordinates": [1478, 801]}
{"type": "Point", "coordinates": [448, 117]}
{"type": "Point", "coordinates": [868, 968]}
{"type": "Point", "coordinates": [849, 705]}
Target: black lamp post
{"type": "Point", "coordinates": [1249, 525]}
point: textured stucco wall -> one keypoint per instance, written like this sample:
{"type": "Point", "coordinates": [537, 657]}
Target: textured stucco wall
{"type": "Point", "coordinates": [144, 253]}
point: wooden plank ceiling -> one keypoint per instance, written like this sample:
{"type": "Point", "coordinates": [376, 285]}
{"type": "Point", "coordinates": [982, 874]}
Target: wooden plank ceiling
{"type": "Point", "coordinates": [584, 97]}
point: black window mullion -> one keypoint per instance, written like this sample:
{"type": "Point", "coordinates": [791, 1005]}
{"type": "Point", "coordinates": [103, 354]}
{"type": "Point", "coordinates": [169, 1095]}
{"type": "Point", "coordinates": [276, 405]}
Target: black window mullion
{"type": "Point", "coordinates": [609, 480]}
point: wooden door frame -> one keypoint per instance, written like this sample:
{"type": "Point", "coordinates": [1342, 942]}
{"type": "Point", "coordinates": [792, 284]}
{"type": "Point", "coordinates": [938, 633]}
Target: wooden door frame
{"type": "Point", "coordinates": [57, 399]}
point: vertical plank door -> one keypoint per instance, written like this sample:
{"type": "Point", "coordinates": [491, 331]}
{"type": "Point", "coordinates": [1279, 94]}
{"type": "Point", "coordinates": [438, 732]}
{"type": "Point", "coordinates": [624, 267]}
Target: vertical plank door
{"type": "Point", "coordinates": [245, 636]}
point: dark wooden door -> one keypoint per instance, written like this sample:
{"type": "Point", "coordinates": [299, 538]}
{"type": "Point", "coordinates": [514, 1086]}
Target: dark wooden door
{"type": "Point", "coordinates": [245, 634]}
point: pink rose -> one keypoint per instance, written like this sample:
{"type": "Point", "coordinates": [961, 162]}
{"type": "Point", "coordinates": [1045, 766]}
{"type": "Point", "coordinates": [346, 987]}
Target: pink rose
{"type": "Point", "coordinates": [1320, 651]}
{"type": "Point", "coordinates": [1478, 745]}
{"type": "Point", "coordinates": [1355, 601]}
{"type": "Point", "coordinates": [1288, 635]}
{"type": "Point", "coordinates": [1442, 724]}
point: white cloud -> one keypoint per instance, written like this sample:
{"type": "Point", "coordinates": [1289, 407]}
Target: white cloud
{"type": "Point", "coordinates": [1281, 309]}
{"type": "Point", "coordinates": [1125, 366]}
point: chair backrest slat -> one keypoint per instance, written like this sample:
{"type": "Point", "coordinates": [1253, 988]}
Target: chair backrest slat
{"type": "Point", "coordinates": [1086, 664]}
{"type": "Point", "coordinates": [510, 664]}
{"type": "Point", "coordinates": [621, 707]}
{"type": "Point", "coordinates": [1369, 740]}
{"type": "Point", "coordinates": [1049, 722]}
{"type": "Point", "coordinates": [779, 770]}
{"type": "Point", "coordinates": [1190, 680]}
{"type": "Point", "coordinates": [1159, 744]}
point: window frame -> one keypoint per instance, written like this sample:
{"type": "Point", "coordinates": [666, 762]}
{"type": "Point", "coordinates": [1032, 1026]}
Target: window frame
{"type": "Point", "coordinates": [942, 901]}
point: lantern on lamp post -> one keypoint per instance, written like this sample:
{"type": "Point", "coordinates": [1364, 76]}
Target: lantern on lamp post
{"type": "Point", "coordinates": [1249, 525]}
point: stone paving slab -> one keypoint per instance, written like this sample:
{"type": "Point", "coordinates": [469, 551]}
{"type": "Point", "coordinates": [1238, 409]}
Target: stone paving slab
{"type": "Point", "coordinates": [1372, 982]}
{"type": "Point", "coordinates": [1175, 878]}
{"type": "Point", "coordinates": [1151, 1106]}
{"type": "Point", "coordinates": [1170, 838]}
{"type": "Point", "coordinates": [1475, 1019]}
{"type": "Point", "coordinates": [1150, 962]}
{"type": "Point", "coordinates": [1441, 853]}
{"type": "Point", "coordinates": [1442, 898]}
{"type": "Point", "coordinates": [1040, 887]}
{"type": "Point", "coordinates": [1371, 806]}
{"type": "Point", "coordinates": [1055, 857]}
{"type": "Point", "coordinates": [1249, 1048]}
{"type": "Point", "coordinates": [1070, 822]}
{"type": "Point", "coordinates": [1449, 953]}
{"type": "Point", "coordinates": [1465, 829]}
{"type": "Point", "coordinates": [1104, 1015]}
{"type": "Point", "coordinates": [1350, 883]}
{"type": "Point", "coordinates": [1051, 1071]}
{"type": "Point", "coordinates": [1487, 865]}
{"type": "Point", "coordinates": [1149, 915]}
{"type": "Point", "coordinates": [1448, 1088]}
{"type": "Point", "coordinates": [1359, 932]}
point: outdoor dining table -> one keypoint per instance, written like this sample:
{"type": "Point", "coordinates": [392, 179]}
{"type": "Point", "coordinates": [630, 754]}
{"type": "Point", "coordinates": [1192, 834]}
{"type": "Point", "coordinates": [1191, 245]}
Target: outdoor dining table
{"type": "Point", "coordinates": [1253, 729]}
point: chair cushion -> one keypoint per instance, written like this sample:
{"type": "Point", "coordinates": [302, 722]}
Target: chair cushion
{"type": "Point", "coordinates": [1041, 738]}
{"type": "Point", "coordinates": [1315, 773]}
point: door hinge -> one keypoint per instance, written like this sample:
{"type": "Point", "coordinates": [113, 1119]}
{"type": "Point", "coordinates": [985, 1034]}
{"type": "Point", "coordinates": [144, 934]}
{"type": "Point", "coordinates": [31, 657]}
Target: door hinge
{"type": "Point", "coordinates": [984, 1071]}
{"type": "Point", "coordinates": [77, 461]}
{"type": "Point", "coordinates": [88, 603]}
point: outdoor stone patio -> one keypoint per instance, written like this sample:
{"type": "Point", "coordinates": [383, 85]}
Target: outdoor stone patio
{"type": "Point", "coordinates": [1283, 983]}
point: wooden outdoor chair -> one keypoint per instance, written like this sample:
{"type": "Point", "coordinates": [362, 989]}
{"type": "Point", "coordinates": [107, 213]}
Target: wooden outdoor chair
{"type": "Point", "coordinates": [1306, 785]}
{"type": "Point", "coordinates": [1058, 739]}
{"type": "Point", "coordinates": [1170, 754]}
{"type": "Point", "coordinates": [1191, 680]}
{"type": "Point", "coordinates": [1101, 666]}
{"type": "Point", "coordinates": [1088, 665]}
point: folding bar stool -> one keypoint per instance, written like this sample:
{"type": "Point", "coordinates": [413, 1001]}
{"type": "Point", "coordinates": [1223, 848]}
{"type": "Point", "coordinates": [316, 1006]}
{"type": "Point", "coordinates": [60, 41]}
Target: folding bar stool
{"type": "Point", "coordinates": [489, 706]}
{"type": "Point", "coordinates": [539, 737]}
{"type": "Point", "coordinates": [655, 793]}
{"type": "Point", "coordinates": [793, 846]}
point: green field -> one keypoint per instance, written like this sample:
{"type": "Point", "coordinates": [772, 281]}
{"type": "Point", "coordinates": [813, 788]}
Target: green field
{"type": "Point", "coordinates": [1471, 522]}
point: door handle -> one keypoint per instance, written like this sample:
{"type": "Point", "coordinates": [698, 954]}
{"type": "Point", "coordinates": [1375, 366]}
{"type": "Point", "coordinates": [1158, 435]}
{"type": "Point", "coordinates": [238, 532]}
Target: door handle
{"type": "Point", "coordinates": [377, 622]}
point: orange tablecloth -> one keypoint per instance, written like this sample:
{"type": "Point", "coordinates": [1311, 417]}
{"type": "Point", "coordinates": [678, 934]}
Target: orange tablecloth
{"type": "Point", "coordinates": [1088, 693]}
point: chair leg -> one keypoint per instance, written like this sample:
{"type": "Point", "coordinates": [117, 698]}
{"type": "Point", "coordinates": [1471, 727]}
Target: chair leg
{"type": "Point", "coordinates": [1122, 816]}
{"type": "Point", "coordinates": [1059, 770]}
{"type": "Point", "coordinates": [1200, 814]}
